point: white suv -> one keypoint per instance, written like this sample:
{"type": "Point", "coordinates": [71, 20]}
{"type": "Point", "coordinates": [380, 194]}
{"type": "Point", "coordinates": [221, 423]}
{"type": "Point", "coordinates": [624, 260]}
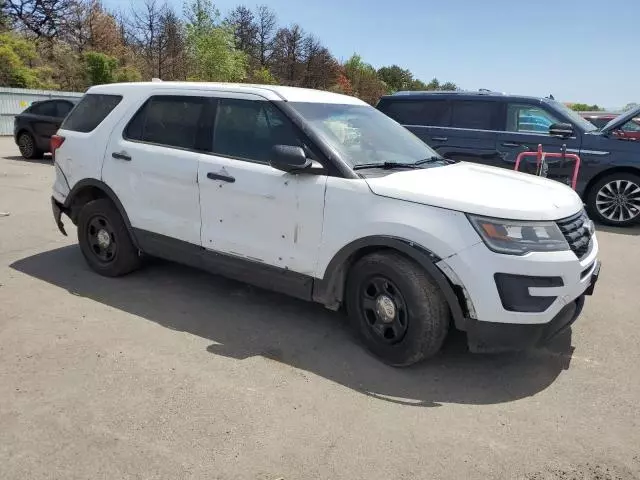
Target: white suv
{"type": "Point", "coordinates": [324, 198]}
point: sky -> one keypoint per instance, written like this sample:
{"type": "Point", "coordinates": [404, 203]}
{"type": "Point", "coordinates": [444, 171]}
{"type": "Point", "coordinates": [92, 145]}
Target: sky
{"type": "Point", "coordinates": [583, 51]}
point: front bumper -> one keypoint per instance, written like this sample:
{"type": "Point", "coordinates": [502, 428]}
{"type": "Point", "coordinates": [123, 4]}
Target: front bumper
{"type": "Point", "coordinates": [491, 337]}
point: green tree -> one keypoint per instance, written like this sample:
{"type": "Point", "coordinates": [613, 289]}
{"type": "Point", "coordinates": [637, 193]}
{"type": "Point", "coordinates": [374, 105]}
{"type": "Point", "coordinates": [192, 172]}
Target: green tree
{"type": "Point", "coordinates": [100, 68]}
{"type": "Point", "coordinates": [396, 78]}
{"type": "Point", "coordinates": [211, 46]}
{"type": "Point", "coordinates": [16, 56]}
{"type": "Point", "coordinates": [630, 106]}
{"type": "Point", "coordinates": [128, 74]}
{"type": "Point", "coordinates": [364, 80]}
{"type": "Point", "coordinates": [262, 76]}
{"type": "Point", "coordinates": [583, 107]}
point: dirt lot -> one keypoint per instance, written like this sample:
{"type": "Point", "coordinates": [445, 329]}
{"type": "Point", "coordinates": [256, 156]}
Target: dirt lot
{"type": "Point", "coordinates": [171, 373]}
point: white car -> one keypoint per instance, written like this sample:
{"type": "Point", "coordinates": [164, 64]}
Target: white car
{"type": "Point", "coordinates": [322, 197]}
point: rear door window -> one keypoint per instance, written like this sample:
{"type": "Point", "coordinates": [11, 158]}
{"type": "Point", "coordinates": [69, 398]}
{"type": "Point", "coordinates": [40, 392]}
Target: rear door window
{"type": "Point", "coordinates": [476, 115]}
{"type": "Point", "coordinates": [172, 121]}
{"type": "Point", "coordinates": [90, 112]}
{"type": "Point", "coordinates": [429, 113]}
{"type": "Point", "coordinates": [63, 108]}
{"type": "Point", "coordinates": [47, 109]}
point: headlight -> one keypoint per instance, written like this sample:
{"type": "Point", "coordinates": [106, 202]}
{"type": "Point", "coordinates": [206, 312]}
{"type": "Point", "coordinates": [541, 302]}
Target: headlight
{"type": "Point", "coordinates": [515, 237]}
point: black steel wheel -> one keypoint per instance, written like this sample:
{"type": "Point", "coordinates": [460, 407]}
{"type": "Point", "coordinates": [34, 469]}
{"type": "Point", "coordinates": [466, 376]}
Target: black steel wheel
{"type": "Point", "coordinates": [396, 308]}
{"type": "Point", "coordinates": [27, 146]}
{"type": "Point", "coordinates": [615, 200]}
{"type": "Point", "coordinates": [105, 240]}
{"type": "Point", "coordinates": [384, 309]}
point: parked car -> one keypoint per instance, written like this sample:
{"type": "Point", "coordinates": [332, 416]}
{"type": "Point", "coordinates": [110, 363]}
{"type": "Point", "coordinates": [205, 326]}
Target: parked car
{"type": "Point", "coordinates": [322, 197]}
{"type": "Point", "coordinates": [33, 128]}
{"type": "Point", "coordinates": [492, 129]}
{"type": "Point", "coordinates": [629, 131]}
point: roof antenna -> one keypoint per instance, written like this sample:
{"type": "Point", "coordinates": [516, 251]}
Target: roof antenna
{"type": "Point", "coordinates": [551, 97]}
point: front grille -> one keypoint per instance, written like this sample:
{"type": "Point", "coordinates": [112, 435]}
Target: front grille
{"type": "Point", "coordinates": [576, 229]}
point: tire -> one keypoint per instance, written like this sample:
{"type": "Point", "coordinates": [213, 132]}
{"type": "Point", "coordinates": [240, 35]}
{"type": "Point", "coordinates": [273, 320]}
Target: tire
{"type": "Point", "coordinates": [615, 200]}
{"type": "Point", "coordinates": [105, 241]}
{"type": "Point", "coordinates": [417, 324]}
{"type": "Point", "coordinates": [28, 148]}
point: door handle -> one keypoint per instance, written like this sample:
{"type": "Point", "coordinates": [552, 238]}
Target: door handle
{"type": "Point", "coordinates": [219, 176]}
{"type": "Point", "coordinates": [121, 156]}
{"type": "Point", "coordinates": [512, 144]}
{"type": "Point", "coordinates": [439, 139]}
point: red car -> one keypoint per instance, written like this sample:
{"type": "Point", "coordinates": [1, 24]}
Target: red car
{"type": "Point", "coordinates": [628, 131]}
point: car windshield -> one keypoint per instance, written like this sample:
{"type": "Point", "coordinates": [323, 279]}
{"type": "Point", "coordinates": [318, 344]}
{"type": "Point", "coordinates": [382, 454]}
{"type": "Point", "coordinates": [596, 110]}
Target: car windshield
{"type": "Point", "coordinates": [363, 135]}
{"type": "Point", "coordinates": [575, 117]}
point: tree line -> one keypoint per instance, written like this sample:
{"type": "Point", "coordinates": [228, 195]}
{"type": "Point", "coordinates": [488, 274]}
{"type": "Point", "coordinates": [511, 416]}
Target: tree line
{"type": "Point", "coordinates": [73, 44]}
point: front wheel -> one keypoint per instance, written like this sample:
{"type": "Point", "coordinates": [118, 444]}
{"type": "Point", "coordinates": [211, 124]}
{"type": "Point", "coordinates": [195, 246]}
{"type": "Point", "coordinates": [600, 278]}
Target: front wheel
{"type": "Point", "coordinates": [397, 310]}
{"type": "Point", "coordinates": [615, 200]}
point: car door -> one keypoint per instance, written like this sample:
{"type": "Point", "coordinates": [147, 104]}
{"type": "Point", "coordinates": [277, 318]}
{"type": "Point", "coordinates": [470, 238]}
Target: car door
{"type": "Point", "coordinates": [251, 210]}
{"type": "Point", "coordinates": [44, 122]}
{"type": "Point", "coordinates": [151, 163]}
{"type": "Point", "coordinates": [526, 126]}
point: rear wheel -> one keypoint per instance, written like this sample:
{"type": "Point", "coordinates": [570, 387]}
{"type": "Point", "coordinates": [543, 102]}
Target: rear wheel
{"type": "Point", "coordinates": [615, 200]}
{"type": "Point", "coordinates": [28, 148]}
{"type": "Point", "coordinates": [397, 310]}
{"type": "Point", "coordinates": [105, 241]}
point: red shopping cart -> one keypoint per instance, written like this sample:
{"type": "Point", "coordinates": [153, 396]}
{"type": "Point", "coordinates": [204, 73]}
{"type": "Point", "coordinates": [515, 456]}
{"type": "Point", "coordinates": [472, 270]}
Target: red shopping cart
{"type": "Point", "coordinates": [542, 167]}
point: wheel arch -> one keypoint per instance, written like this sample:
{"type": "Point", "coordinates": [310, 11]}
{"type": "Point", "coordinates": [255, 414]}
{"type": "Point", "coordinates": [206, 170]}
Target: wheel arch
{"type": "Point", "coordinates": [330, 289]}
{"type": "Point", "coordinates": [606, 173]}
{"type": "Point", "coordinates": [92, 189]}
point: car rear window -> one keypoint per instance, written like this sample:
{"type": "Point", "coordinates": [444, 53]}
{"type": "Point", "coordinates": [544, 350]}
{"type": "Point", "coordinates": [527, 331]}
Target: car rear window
{"type": "Point", "coordinates": [476, 115]}
{"type": "Point", "coordinates": [90, 112]}
{"type": "Point", "coordinates": [43, 108]}
{"type": "Point", "coordinates": [432, 113]}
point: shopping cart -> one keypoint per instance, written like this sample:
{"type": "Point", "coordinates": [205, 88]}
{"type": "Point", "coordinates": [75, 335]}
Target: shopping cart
{"type": "Point", "coordinates": [542, 166]}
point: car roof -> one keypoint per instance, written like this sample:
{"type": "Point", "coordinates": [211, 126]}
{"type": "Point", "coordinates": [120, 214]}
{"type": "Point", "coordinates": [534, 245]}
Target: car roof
{"type": "Point", "coordinates": [270, 92]}
{"type": "Point", "coordinates": [462, 95]}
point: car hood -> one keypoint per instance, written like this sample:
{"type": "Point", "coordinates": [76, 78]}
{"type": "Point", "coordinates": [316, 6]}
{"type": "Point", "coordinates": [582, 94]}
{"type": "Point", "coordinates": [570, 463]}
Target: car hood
{"type": "Point", "coordinates": [620, 120]}
{"type": "Point", "coordinates": [481, 190]}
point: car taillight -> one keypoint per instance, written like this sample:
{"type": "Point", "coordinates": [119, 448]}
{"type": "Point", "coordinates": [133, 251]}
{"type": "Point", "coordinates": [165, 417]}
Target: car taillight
{"type": "Point", "coordinates": [56, 143]}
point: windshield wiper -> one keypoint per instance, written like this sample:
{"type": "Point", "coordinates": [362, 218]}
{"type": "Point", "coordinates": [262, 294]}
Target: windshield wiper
{"type": "Point", "coordinates": [393, 165]}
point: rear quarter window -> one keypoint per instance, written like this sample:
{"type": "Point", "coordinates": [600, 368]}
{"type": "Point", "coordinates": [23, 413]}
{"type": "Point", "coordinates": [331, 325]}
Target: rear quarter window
{"type": "Point", "coordinates": [476, 114]}
{"type": "Point", "coordinates": [90, 112]}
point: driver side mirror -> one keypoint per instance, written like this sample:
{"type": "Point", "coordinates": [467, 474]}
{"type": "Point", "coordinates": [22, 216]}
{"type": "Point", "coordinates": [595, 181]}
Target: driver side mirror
{"type": "Point", "coordinates": [289, 158]}
{"type": "Point", "coordinates": [562, 130]}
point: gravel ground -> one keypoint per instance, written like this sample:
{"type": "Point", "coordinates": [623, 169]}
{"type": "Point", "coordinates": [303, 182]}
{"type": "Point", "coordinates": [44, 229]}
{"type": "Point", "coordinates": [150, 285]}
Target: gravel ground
{"type": "Point", "coordinates": [173, 373]}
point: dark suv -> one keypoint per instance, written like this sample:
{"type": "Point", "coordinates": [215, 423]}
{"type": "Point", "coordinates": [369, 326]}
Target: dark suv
{"type": "Point", "coordinates": [493, 128]}
{"type": "Point", "coordinates": [33, 128]}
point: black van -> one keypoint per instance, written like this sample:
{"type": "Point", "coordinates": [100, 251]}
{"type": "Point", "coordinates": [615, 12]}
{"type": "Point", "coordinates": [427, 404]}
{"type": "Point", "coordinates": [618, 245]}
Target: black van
{"type": "Point", "coordinates": [493, 128]}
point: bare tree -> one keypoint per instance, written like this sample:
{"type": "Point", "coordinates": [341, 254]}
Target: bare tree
{"type": "Point", "coordinates": [288, 55]}
{"type": "Point", "coordinates": [266, 23]}
{"type": "Point", "coordinates": [245, 30]}
{"type": "Point", "coordinates": [44, 18]}
{"type": "Point", "coordinates": [146, 35]}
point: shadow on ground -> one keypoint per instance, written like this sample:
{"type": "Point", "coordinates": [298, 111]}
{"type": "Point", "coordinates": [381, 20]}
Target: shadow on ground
{"type": "Point", "coordinates": [46, 160]}
{"type": "Point", "coordinates": [635, 230]}
{"type": "Point", "coordinates": [243, 322]}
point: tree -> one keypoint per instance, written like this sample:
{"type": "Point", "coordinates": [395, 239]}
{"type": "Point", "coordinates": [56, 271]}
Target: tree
{"type": "Point", "coordinates": [44, 18]}
{"type": "Point", "coordinates": [630, 106]}
{"type": "Point", "coordinates": [266, 26]}
{"type": "Point", "coordinates": [321, 69]}
{"type": "Point", "coordinates": [396, 78]}
{"type": "Point", "coordinates": [211, 46]}
{"type": "Point", "coordinates": [16, 57]}
{"type": "Point", "coordinates": [147, 35]}
{"type": "Point", "coordinates": [288, 55]}
{"type": "Point", "coordinates": [100, 68]}
{"type": "Point", "coordinates": [364, 80]}
{"type": "Point", "coordinates": [245, 30]}
{"type": "Point", "coordinates": [583, 107]}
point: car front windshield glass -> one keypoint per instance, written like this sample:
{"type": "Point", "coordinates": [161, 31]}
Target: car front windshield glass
{"type": "Point", "coordinates": [363, 135]}
{"type": "Point", "coordinates": [575, 117]}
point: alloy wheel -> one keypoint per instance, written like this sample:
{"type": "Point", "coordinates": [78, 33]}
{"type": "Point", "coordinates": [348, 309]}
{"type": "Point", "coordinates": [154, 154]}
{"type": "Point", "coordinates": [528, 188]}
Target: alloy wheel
{"type": "Point", "coordinates": [25, 144]}
{"type": "Point", "coordinates": [619, 201]}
